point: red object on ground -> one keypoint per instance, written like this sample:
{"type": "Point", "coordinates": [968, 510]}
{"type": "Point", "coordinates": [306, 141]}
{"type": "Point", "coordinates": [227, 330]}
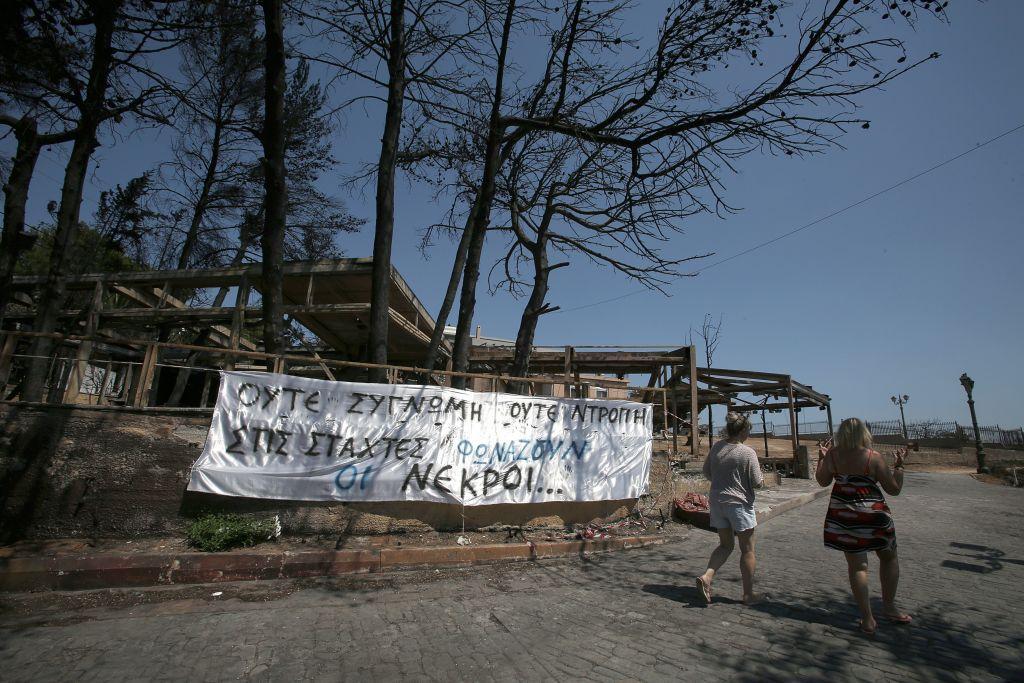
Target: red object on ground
{"type": "Point", "coordinates": [692, 509]}
{"type": "Point", "coordinates": [692, 502]}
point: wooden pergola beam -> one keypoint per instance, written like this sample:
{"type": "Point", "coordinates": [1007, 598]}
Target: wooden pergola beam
{"type": "Point", "coordinates": [219, 334]}
{"type": "Point", "coordinates": [773, 406]}
{"type": "Point", "coordinates": [744, 387]}
{"type": "Point", "coordinates": [804, 390]}
{"type": "Point", "coordinates": [203, 277]}
{"type": "Point", "coordinates": [225, 313]}
{"type": "Point", "coordinates": [347, 278]}
{"type": "Point", "coordinates": [703, 373]}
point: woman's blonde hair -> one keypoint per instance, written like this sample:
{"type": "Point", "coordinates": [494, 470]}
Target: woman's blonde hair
{"type": "Point", "coordinates": [736, 424]}
{"type": "Point", "coordinates": [853, 435]}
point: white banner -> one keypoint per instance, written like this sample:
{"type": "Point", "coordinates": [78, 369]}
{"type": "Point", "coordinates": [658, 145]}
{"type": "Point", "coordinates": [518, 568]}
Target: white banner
{"type": "Point", "coordinates": [292, 438]}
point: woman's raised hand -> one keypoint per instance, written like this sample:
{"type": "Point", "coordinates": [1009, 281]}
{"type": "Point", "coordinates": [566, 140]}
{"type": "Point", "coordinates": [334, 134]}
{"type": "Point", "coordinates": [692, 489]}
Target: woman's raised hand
{"type": "Point", "coordinates": [898, 455]}
{"type": "Point", "coordinates": [824, 447]}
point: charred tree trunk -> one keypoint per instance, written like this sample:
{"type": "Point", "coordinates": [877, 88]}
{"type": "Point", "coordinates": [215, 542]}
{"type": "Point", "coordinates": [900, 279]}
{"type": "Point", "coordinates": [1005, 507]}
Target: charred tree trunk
{"type": "Point", "coordinates": [531, 314]}
{"type": "Point", "coordinates": [181, 381]}
{"type": "Point", "coordinates": [535, 308]}
{"type": "Point", "coordinates": [276, 200]}
{"type": "Point", "coordinates": [381, 276]}
{"type": "Point", "coordinates": [192, 236]}
{"type": "Point", "coordinates": [246, 238]}
{"type": "Point", "coordinates": [449, 296]}
{"type": "Point", "coordinates": [185, 258]}
{"type": "Point", "coordinates": [480, 216]}
{"type": "Point", "coordinates": [85, 143]}
{"type": "Point", "coordinates": [15, 199]}
{"type": "Point", "coordinates": [458, 264]}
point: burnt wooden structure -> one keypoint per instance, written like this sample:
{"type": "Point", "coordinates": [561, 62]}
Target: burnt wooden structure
{"type": "Point", "coordinates": [684, 388]}
{"type": "Point", "coordinates": [330, 297]}
{"type": "Point", "coordinates": [110, 320]}
{"type": "Point", "coordinates": [668, 370]}
{"type": "Point", "coordinates": [122, 330]}
{"type": "Point", "coordinates": [755, 391]}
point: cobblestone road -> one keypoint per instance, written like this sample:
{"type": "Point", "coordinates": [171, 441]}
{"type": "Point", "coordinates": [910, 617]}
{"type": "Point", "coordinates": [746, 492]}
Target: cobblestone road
{"type": "Point", "coordinates": [631, 615]}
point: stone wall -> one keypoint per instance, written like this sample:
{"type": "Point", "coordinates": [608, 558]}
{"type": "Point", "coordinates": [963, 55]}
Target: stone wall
{"type": "Point", "coordinates": [74, 472]}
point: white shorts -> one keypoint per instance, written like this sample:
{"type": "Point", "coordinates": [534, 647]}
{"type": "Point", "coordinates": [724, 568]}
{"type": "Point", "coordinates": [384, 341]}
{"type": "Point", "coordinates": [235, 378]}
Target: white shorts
{"type": "Point", "coordinates": [735, 516]}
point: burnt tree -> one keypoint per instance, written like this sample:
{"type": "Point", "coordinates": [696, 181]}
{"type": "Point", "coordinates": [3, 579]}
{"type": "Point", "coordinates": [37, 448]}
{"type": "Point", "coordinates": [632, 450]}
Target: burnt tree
{"type": "Point", "coordinates": [380, 287]}
{"type": "Point", "coordinates": [14, 239]}
{"type": "Point", "coordinates": [276, 189]}
{"type": "Point", "coordinates": [480, 215]}
{"type": "Point", "coordinates": [668, 119]}
{"type": "Point", "coordinates": [92, 109]}
{"type": "Point", "coordinates": [419, 45]}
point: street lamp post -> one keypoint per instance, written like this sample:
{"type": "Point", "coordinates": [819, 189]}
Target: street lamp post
{"type": "Point", "coordinates": [901, 401]}
{"type": "Point", "coordinates": [968, 385]}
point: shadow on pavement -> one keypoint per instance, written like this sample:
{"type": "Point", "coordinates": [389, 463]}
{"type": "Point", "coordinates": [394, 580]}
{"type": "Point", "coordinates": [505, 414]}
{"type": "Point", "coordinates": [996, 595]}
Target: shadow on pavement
{"type": "Point", "coordinates": [991, 559]}
{"type": "Point", "coordinates": [821, 632]}
{"type": "Point", "coordinates": [687, 595]}
{"type": "Point", "coordinates": [815, 635]}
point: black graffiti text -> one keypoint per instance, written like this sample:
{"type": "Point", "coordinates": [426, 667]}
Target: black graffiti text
{"type": "Point", "coordinates": [282, 398]}
{"type": "Point", "coordinates": [250, 439]}
{"type": "Point", "coordinates": [380, 404]}
{"type": "Point", "coordinates": [472, 483]}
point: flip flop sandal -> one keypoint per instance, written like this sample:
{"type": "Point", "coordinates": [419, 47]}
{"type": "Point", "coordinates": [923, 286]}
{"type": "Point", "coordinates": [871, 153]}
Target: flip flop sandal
{"type": "Point", "coordinates": [902, 619]}
{"type": "Point", "coordinates": [704, 589]}
{"type": "Point", "coordinates": [869, 633]}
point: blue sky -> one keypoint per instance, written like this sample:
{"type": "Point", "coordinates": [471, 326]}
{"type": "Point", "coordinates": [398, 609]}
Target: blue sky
{"type": "Point", "coordinates": [901, 294]}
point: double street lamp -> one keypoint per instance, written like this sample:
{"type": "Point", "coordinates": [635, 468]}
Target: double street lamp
{"type": "Point", "coordinates": [968, 385]}
{"type": "Point", "coordinates": [901, 401]}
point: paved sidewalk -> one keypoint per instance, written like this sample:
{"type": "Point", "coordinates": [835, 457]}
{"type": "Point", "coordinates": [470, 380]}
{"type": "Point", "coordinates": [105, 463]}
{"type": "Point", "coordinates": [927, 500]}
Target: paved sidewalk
{"type": "Point", "coordinates": [793, 493]}
{"type": "Point", "coordinates": [622, 616]}
{"type": "Point", "coordinates": [69, 564]}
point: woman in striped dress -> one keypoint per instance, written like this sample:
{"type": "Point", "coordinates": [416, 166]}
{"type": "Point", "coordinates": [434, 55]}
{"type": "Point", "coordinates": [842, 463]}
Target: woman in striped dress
{"type": "Point", "coordinates": [858, 520]}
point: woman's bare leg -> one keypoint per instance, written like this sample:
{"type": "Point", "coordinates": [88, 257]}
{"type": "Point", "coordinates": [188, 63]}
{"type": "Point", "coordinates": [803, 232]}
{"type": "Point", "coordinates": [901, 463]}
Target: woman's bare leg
{"type": "Point", "coordinates": [748, 563]}
{"type": "Point", "coordinates": [857, 564]}
{"type": "Point", "coordinates": [889, 573]}
{"type": "Point", "coordinates": [719, 555]}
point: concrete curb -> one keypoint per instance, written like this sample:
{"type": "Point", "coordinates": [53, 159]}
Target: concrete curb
{"type": "Point", "coordinates": [125, 571]}
{"type": "Point", "coordinates": [791, 504]}
{"type": "Point", "coordinates": [702, 520]}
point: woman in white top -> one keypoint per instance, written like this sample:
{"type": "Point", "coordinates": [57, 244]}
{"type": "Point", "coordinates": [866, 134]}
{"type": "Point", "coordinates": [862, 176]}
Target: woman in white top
{"type": "Point", "coordinates": [734, 473]}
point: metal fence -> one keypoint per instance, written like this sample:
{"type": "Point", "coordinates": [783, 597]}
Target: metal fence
{"type": "Point", "coordinates": [924, 429]}
{"type": "Point", "coordinates": [916, 431]}
{"type": "Point", "coordinates": [998, 436]}
{"type": "Point", "coordinates": [945, 429]}
{"type": "Point", "coordinates": [779, 429]}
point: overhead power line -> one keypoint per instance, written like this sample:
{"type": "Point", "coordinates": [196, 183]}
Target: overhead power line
{"type": "Point", "coordinates": [816, 221]}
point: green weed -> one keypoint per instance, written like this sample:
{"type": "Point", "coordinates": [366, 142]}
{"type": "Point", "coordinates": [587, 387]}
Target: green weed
{"type": "Point", "coordinates": [217, 532]}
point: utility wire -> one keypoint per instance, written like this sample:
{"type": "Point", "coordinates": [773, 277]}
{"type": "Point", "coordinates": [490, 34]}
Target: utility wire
{"type": "Point", "coordinates": [813, 223]}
